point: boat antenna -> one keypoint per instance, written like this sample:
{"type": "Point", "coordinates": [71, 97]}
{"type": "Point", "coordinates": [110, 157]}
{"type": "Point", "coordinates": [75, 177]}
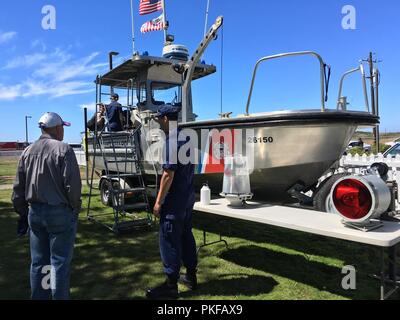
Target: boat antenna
{"type": "Point", "coordinates": [222, 63]}
{"type": "Point", "coordinates": [133, 29]}
{"type": "Point", "coordinates": [166, 25]}
{"type": "Point", "coordinates": [206, 22]}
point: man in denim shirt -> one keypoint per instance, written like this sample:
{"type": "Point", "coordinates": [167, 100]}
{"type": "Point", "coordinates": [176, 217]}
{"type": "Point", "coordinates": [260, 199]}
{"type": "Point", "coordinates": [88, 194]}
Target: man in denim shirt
{"type": "Point", "coordinates": [47, 192]}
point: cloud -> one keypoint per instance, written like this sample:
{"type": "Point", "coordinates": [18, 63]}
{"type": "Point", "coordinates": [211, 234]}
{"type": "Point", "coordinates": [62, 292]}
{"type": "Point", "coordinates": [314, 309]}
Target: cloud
{"type": "Point", "coordinates": [55, 90]}
{"type": "Point", "coordinates": [54, 74]}
{"type": "Point", "coordinates": [55, 61]}
{"type": "Point", "coordinates": [38, 43]}
{"type": "Point", "coordinates": [60, 66]}
{"type": "Point", "coordinates": [31, 88]}
{"type": "Point", "coordinates": [61, 71]}
{"type": "Point", "coordinates": [25, 61]}
{"type": "Point", "coordinates": [7, 36]}
{"type": "Point", "coordinates": [10, 92]}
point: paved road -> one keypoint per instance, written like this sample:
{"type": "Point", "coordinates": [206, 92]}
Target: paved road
{"type": "Point", "coordinates": [16, 153]}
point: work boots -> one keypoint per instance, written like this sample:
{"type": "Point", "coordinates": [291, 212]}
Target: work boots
{"type": "Point", "coordinates": [167, 290]}
{"type": "Point", "coordinates": [189, 279]}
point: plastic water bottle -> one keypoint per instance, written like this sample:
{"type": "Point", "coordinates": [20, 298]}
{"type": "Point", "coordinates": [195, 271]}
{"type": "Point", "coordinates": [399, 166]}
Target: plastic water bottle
{"type": "Point", "coordinates": [205, 195]}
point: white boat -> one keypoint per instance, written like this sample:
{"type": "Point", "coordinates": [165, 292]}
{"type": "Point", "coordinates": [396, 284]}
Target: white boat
{"type": "Point", "coordinates": [292, 149]}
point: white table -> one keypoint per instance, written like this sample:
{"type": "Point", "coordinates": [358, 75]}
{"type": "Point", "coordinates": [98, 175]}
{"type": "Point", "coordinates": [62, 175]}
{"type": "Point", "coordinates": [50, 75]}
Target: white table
{"type": "Point", "coordinates": [319, 223]}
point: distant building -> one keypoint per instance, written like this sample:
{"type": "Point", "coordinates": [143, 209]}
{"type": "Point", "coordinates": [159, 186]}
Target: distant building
{"type": "Point", "coordinates": [13, 145]}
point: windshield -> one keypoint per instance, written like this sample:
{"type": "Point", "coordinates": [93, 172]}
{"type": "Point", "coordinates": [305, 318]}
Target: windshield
{"type": "Point", "coordinates": [166, 93]}
{"type": "Point", "coordinates": [141, 93]}
{"type": "Point", "coordinates": [395, 151]}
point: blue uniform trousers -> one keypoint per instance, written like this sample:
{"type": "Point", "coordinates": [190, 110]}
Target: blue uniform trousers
{"type": "Point", "coordinates": [177, 242]}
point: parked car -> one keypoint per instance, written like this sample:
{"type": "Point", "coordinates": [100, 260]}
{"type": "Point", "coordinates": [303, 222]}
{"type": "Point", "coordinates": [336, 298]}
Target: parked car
{"type": "Point", "coordinates": [393, 151]}
{"type": "Point", "coordinates": [355, 143]}
{"type": "Point", "coordinates": [393, 142]}
{"type": "Point", "coordinates": [76, 146]}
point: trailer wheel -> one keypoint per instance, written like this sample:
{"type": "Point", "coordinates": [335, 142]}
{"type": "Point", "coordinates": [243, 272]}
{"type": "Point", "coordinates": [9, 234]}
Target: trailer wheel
{"type": "Point", "coordinates": [321, 196]}
{"type": "Point", "coordinates": [105, 188]}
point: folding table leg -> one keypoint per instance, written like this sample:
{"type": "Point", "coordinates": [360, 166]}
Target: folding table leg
{"type": "Point", "coordinates": [205, 244]}
{"type": "Point", "coordinates": [393, 263]}
{"type": "Point", "coordinates": [391, 276]}
{"type": "Point", "coordinates": [382, 275]}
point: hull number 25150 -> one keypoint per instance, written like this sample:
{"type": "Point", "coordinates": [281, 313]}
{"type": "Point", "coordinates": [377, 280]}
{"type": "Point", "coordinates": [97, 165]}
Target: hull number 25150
{"type": "Point", "coordinates": [260, 140]}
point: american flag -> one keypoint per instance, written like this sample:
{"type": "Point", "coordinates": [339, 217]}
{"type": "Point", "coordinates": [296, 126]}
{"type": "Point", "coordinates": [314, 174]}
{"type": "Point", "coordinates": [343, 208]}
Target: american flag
{"type": "Point", "coordinates": [150, 6]}
{"type": "Point", "coordinates": [153, 25]}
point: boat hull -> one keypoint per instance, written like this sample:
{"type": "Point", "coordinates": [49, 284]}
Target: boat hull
{"type": "Point", "coordinates": [282, 150]}
{"type": "Point", "coordinates": [298, 154]}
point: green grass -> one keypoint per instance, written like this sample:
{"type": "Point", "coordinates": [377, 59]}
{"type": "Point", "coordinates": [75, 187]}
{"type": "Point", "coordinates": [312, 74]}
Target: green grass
{"type": "Point", "coordinates": [8, 168]}
{"type": "Point", "coordinates": [262, 262]}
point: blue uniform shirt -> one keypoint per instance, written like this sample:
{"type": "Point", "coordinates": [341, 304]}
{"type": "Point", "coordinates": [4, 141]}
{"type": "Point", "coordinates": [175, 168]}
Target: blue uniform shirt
{"type": "Point", "coordinates": [113, 111]}
{"type": "Point", "coordinates": [181, 195]}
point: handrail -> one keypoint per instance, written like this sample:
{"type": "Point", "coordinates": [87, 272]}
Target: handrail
{"type": "Point", "coordinates": [364, 83]}
{"type": "Point", "coordinates": [322, 73]}
{"type": "Point", "coordinates": [342, 79]}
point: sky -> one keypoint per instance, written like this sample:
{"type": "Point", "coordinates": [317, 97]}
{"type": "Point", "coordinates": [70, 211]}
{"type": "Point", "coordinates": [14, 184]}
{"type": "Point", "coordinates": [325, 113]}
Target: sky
{"type": "Point", "coordinates": [53, 69]}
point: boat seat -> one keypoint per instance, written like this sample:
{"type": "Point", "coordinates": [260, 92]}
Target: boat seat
{"type": "Point", "coordinates": [157, 103]}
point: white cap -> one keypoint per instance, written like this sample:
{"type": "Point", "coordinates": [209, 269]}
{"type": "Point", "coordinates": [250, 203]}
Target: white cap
{"type": "Point", "coordinates": [52, 119]}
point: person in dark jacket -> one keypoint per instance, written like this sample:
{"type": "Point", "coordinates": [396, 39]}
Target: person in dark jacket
{"type": "Point", "coordinates": [114, 112]}
{"type": "Point", "coordinates": [47, 193]}
{"type": "Point", "coordinates": [360, 143]}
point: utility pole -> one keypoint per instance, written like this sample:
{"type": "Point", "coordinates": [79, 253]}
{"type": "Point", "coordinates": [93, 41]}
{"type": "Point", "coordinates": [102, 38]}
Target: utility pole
{"type": "Point", "coordinates": [26, 129]}
{"type": "Point", "coordinates": [373, 100]}
{"type": "Point", "coordinates": [376, 82]}
{"type": "Point", "coordinates": [371, 79]}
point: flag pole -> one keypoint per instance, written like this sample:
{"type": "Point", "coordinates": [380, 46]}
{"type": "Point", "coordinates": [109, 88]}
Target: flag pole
{"type": "Point", "coordinates": [133, 29]}
{"type": "Point", "coordinates": [205, 25]}
{"type": "Point", "coordinates": [165, 22]}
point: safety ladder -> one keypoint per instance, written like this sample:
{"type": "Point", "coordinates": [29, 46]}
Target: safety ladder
{"type": "Point", "coordinates": [123, 187]}
{"type": "Point", "coordinates": [117, 156]}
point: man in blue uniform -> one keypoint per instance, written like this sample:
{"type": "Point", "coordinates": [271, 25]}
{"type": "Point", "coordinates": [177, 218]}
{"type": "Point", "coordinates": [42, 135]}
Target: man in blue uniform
{"type": "Point", "coordinates": [174, 206]}
{"type": "Point", "coordinates": [114, 110]}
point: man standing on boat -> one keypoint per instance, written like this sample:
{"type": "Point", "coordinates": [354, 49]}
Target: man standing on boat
{"type": "Point", "coordinates": [114, 112]}
{"type": "Point", "coordinates": [47, 193]}
{"type": "Point", "coordinates": [174, 206]}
